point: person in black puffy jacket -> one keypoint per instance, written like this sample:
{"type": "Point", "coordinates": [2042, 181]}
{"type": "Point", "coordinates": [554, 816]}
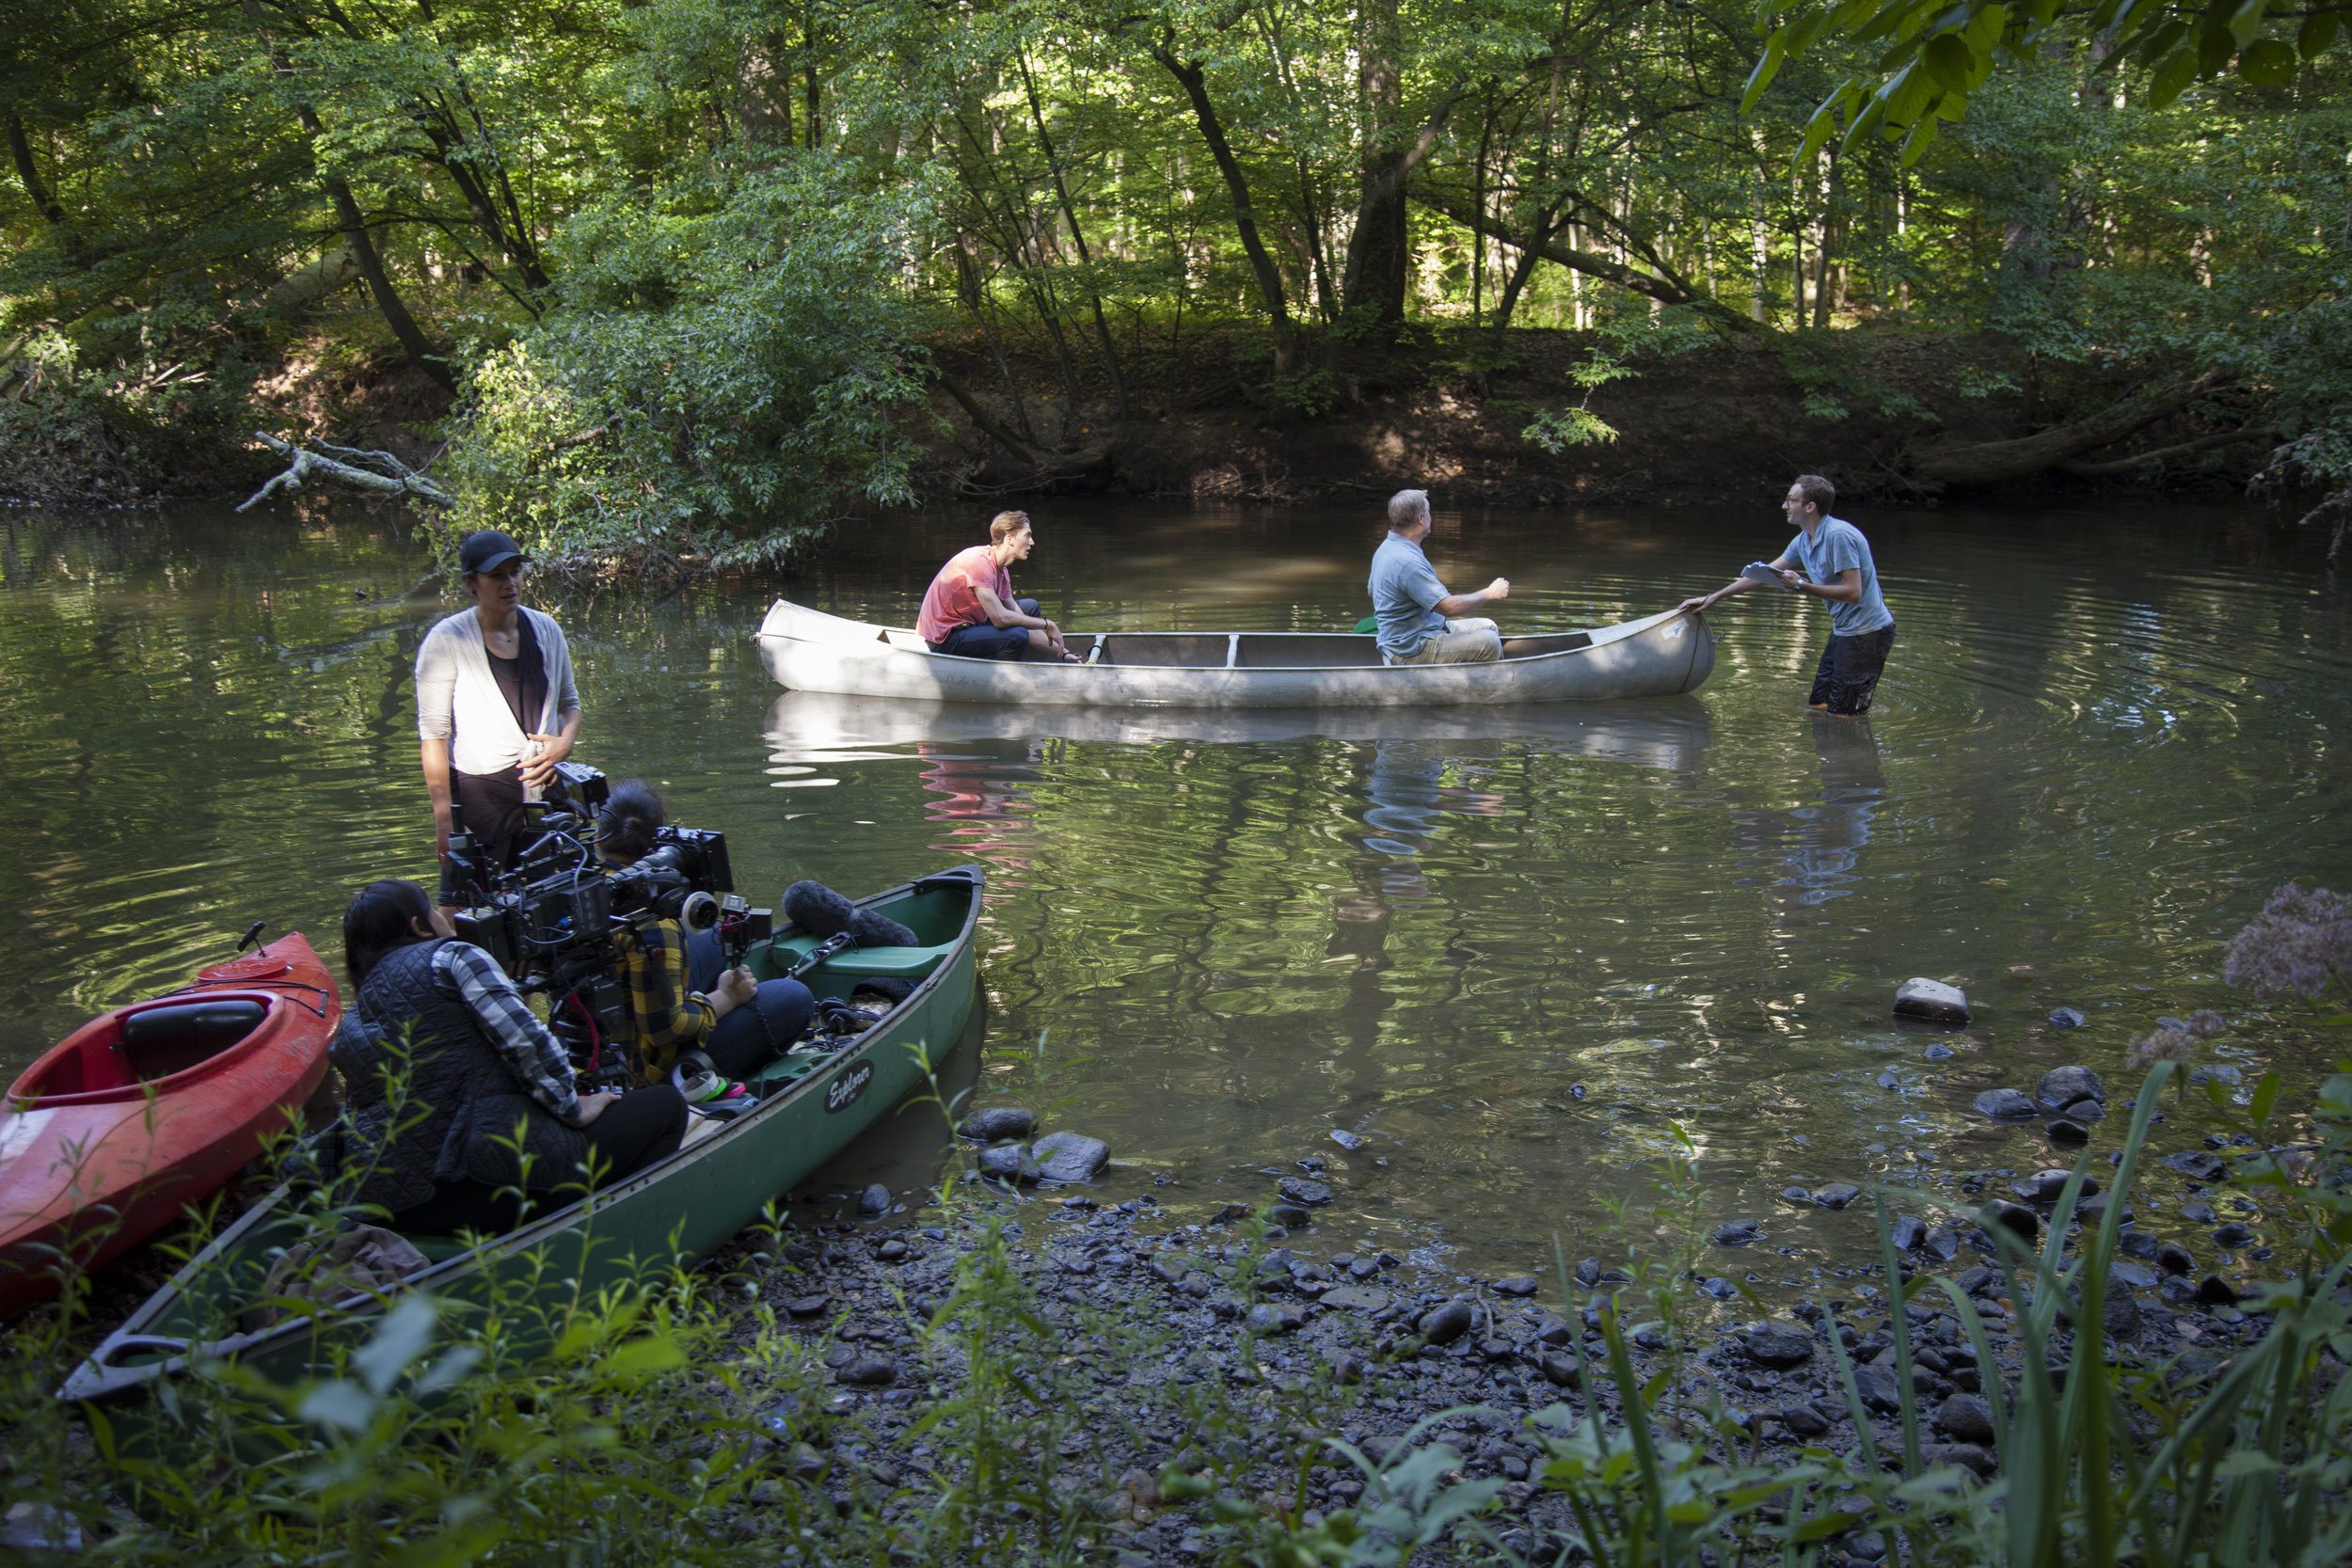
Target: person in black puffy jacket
{"type": "Point", "coordinates": [442, 1154]}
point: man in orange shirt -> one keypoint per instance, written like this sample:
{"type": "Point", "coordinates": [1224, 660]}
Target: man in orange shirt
{"type": "Point", "coordinates": [969, 610]}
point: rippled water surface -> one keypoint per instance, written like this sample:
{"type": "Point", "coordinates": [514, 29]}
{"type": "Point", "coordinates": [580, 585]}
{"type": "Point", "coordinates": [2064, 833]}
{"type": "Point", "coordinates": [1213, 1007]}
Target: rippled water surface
{"type": "Point", "coordinates": [1514, 950]}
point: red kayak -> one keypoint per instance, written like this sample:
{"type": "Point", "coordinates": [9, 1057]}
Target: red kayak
{"type": "Point", "coordinates": [152, 1107]}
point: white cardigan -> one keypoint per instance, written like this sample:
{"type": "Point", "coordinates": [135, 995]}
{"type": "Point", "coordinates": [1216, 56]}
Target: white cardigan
{"type": "Point", "coordinates": [458, 699]}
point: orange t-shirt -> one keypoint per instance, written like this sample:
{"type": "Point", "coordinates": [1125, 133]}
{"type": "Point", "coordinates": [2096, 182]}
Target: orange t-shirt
{"type": "Point", "coordinates": [953, 599]}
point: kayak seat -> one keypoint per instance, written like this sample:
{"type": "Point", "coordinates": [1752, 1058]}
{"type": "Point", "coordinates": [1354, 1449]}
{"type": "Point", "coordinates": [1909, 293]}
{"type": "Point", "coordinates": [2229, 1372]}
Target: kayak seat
{"type": "Point", "coordinates": [160, 1042]}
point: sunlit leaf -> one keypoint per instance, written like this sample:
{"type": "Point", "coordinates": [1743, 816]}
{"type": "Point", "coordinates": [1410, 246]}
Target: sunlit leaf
{"type": "Point", "coordinates": [406, 1330]}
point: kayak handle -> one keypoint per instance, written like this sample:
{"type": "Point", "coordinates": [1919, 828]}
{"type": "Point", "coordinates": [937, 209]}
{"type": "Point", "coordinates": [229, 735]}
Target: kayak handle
{"type": "Point", "coordinates": [251, 932]}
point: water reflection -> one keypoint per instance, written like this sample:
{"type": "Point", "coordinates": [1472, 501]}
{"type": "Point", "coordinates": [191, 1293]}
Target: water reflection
{"type": "Point", "coordinates": [1214, 939]}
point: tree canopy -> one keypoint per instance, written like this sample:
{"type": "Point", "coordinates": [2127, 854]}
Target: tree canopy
{"type": "Point", "coordinates": [689, 266]}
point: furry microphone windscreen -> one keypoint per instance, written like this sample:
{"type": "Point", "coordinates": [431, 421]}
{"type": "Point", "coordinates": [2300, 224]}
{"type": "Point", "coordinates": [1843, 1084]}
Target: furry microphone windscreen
{"type": "Point", "coordinates": [815, 908]}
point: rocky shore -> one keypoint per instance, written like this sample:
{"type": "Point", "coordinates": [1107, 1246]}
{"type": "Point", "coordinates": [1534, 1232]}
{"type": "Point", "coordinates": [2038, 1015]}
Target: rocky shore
{"type": "Point", "coordinates": [1161, 1339]}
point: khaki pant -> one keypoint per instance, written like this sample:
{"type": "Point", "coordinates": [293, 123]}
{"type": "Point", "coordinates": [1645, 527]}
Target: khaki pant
{"type": "Point", "coordinates": [1461, 642]}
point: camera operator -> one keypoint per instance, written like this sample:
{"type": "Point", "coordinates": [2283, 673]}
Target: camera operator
{"type": "Point", "coordinates": [680, 1004]}
{"type": "Point", "coordinates": [495, 707]}
{"type": "Point", "coordinates": [479, 1066]}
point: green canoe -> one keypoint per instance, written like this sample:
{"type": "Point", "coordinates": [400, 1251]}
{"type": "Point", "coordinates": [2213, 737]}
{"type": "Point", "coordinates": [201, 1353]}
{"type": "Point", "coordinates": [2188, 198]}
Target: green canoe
{"type": "Point", "coordinates": [671, 1212]}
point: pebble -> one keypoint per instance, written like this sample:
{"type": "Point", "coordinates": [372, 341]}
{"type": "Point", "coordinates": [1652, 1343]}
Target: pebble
{"type": "Point", "coordinates": [1795, 1195]}
{"type": "Point", "coordinates": [2061, 1087]}
{"type": "Point", "coordinates": [2004, 1105]}
{"type": "Point", "coordinates": [1935, 999]}
{"type": "Point", "coordinates": [2067, 1018]}
{"type": "Point", "coordinates": [1230, 1213]}
{"type": "Point", "coordinates": [874, 1201]}
{"type": "Point", "coordinates": [2172, 1257]}
{"type": "Point", "coordinates": [1938, 1052]}
{"type": "Point", "coordinates": [1588, 1271]}
{"type": "Point", "coordinates": [2232, 1236]}
{"type": "Point", "coordinates": [2197, 1165]}
{"type": "Point", "coordinates": [1878, 1388]}
{"type": "Point", "coordinates": [1348, 1141]}
{"type": "Point", "coordinates": [806, 1306]}
{"type": "Point", "coordinates": [2086, 1110]}
{"type": "Point", "coordinates": [1738, 1232]}
{"type": "Point", "coordinates": [1269, 1318]}
{"type": "Point", "coordinates": [1907, 1232]}
{"type": "Point", "coordinates": [2198, 1213]}
{"type": "Point", "coordinates": [1837, 1194]}
{"type": "Point", "coordinates": [999, 1121]}
{"type": "Point", "coordinates": [1070, 1156]}
{"type": "Point", "coordinates": [1977, 1460]}
{"type": "Point", "coordinates": [1356, 1298]}
{"type": "Point", "coordinates": [1517, 1285]}
{"type": "Point", "coordinates": [1560, 1370]}
{"type": "Point", "coordinates": [1306, 1193]}
{"type": "Point", "coordinates": [868, 1371]}
{"type": "Point", "coordinates": [893, 1250]}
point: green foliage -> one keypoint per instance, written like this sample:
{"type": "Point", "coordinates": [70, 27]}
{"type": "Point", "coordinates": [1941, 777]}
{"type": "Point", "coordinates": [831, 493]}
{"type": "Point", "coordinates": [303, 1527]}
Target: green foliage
{"type": "Point", "coordinates": [1929, 56]}
{"type": "Point", "coordinates": [731, 366]}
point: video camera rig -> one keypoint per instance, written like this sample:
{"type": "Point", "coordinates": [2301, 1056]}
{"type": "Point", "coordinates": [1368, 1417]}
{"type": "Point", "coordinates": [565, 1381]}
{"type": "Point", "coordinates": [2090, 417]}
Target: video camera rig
{"type": "Point", "coordinates": [549, 920]}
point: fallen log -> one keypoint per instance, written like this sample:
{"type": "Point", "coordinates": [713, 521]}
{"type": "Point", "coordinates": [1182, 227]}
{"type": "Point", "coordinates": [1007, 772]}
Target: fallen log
{"type": "Point", "coordinates": [2165, 454]}
{"type": "Point", "coordinates": [389, 477]}
{"type": "Point", "coordinates": [1047, 463]}
{"type": "Point", "coordinates": [1990, 462]}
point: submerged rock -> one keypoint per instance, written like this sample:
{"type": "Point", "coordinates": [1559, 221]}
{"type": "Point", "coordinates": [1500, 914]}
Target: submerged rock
{"type": "Point", "coordinates": [1933, 1000]}
{"type": "Point", "coordinates": [1008, 1163]}
{"type": "Point", "coordinates": [1738, 1232]}
{"type": "Point", "coordinates": [2066, 1018]}
{"type": "Point", "coordinates": [2061, 1087]}
{"type": "Point", "coordinates": [1837, 1194]}
{"type": "Point", "coordinates": [2004, 1105]}
{"type": "Point", "coordinates": [1306, 1193]}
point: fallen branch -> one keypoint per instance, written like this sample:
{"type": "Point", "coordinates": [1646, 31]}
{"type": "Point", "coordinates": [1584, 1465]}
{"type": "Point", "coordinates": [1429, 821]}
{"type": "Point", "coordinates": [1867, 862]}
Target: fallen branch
{"type": "Point", "coordinates": [2160, 454]}
{"type": "Point", "coordinates": [302, 464]}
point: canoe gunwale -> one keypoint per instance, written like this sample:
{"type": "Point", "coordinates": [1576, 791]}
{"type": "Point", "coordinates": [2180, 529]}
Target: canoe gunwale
{"type": "Point", "coordinates": [94, 1381]}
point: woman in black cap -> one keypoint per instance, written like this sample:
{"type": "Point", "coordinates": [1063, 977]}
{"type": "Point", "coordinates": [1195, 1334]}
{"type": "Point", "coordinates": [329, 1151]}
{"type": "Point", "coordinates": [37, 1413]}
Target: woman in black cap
{"type": "Point", "coordinates": [496, 707]}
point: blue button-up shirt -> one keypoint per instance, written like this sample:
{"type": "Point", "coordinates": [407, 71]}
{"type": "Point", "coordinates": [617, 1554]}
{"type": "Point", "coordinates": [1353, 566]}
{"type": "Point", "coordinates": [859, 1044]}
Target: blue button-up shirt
{"type": "Point", "coordinates": [1405, 595]}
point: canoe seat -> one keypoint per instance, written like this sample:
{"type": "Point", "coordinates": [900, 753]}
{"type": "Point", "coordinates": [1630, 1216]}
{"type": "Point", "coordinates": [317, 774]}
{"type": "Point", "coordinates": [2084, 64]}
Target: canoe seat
{"type": "Point", "coordinates": [899, 964]}
{"type": "Point", "coordinates": [160, 1042]}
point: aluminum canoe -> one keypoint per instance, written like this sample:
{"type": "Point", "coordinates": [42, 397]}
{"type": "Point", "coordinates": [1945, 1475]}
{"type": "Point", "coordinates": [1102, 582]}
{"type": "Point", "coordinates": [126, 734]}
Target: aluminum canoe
{"type": "Point", "coordinates": [1657, 656]}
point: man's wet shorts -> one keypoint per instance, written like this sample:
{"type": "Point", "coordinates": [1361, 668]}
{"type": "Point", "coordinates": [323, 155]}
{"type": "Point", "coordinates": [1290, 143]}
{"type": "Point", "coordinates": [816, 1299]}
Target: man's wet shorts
{"type": "Point", "coordinates": [1849, 674]}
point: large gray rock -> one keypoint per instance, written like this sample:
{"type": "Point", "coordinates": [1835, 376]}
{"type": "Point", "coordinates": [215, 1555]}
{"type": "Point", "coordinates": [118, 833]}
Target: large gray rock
{"type": "Point", "coordinates": [1070, 1156]}
{"type": "Point", "coordinates": [1445, 1323]}
{"type": "Point", "coordinates": [874, 1201]}
{"type": "Point", "coordinates": [1920, 997]}
{"type": "Point", "coordinates": [2061, 1087]}
{"type": "Point", "coordinates": [1777, 1345]}
{"type": "Point", "coordinates": [2006, 1105]}
{"type": "Point", "coordinates": [1966, 1419]}
{"type": "Point", "coordinates": [1008, 1163]}
{"type": "Point", "coordinates": [999, 1121]}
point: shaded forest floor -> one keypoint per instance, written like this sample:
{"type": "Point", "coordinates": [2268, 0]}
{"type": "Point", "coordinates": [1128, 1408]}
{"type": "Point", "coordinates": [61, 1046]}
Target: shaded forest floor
{"type": "Point", "coordinates": [1444, 410]}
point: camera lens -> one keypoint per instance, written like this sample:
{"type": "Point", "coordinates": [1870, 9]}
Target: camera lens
{"type": "Point", "coordinates": [698, 912]}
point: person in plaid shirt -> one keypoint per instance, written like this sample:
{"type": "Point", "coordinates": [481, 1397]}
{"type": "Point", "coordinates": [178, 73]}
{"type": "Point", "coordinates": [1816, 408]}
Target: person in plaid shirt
{"type": "Point", "coordinates": [681, 1006]}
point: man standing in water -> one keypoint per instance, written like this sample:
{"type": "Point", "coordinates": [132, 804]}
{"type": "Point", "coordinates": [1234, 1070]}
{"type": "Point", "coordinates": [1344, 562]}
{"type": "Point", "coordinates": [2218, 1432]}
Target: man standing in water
{"type": "Point", "coordinates": [1838, 568]}
{"type": "Point", "coordinates": [1419, 622]}
{"type": "Point", "coordinates": [969, 610]}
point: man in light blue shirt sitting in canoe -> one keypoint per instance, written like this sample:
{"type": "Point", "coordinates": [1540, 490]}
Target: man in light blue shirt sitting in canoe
{"type": "Point", "coordinates": [1839, 570]}
{"type": "Point", "coordinates": [1419, 622]}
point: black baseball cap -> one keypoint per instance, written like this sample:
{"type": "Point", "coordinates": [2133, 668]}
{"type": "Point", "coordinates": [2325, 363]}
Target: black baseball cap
{"type": "Point", "coordinates": [487, 551]}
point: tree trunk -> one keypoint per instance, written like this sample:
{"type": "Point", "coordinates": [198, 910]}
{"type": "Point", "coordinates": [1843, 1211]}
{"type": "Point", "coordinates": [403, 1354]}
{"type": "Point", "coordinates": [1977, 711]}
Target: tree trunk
{"type": "Point", "coordinates": [1077, 237]}
{"type": "Point", "coordinates": [1993, 461]}
{"type": "Point", "coordinates": [20, 149]}
{"type": "Point", "coordinates": [1192, 77]}
{"type": "Point", "coordinates": [763, 103]}
{"type": "Point", "coordinates": [362, 244]}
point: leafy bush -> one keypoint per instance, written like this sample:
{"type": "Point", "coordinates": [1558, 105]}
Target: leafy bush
{"type": "Point", "coordinates": [731, 366]}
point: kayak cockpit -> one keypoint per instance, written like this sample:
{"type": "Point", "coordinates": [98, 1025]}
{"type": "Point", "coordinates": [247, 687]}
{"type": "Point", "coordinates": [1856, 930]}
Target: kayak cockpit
{"type": "Point", "coordinates": [132, 1051]}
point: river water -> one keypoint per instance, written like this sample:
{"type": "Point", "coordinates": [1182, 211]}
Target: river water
{"type": "Point", "coordinates": [1519, 954]}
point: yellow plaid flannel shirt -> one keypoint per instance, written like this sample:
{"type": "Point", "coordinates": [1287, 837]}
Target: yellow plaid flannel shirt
{"type": "Point", "coordinates": [665, 1017]}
